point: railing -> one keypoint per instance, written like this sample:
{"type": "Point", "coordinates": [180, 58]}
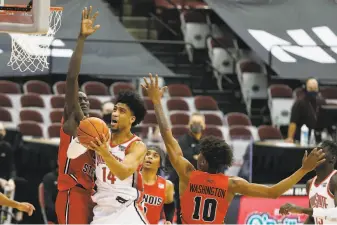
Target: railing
{"type": "Point", "coordinates": [152, 42]}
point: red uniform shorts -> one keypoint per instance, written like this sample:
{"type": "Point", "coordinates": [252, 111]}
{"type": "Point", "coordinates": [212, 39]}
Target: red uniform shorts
{"type": "Point", "coordinates": [74, 206]}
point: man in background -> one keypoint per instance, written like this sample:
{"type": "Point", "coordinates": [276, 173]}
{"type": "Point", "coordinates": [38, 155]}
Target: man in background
{"type": "Point", "coordinates": [189, 144]}
{"type": "Point", "coordinates": [7, 163]}
{"type": "Point", "coordinates": [50, 193]}
{"type": "Point", "coordinates": [305, 111]}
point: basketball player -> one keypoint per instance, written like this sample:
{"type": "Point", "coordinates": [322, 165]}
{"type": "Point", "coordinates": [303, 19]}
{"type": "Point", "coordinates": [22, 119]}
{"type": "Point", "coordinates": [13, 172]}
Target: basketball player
{"type": "Point", "coordinates": [118, 162]}
{"type": "Point", "coordinates": [206, 193]}
{"type": "Point", "coordinates": [321, 190]}
{"type": "Point", "coordinates": [75, 180]}
{"type": "Point", "coordinates": [159, 192]}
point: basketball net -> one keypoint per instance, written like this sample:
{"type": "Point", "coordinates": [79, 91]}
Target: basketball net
{"type": "Point", "coordinates": [30, 51]}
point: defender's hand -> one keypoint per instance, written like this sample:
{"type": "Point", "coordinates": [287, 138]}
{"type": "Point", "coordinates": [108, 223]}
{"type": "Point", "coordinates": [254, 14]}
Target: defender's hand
{"type": "Point", "coordinates": [26, 207]}
{"type": "Point", "coordinates": [88, 20]}
{"type": "Point", "coordinates": [289, 208]}
{"type": "Point", "coordinates": [154, 92]}
{"type": "Point", "coordinates": [311, 161]}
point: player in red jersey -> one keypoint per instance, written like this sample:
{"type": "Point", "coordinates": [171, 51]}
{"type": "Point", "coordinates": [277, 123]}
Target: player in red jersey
{"type": "Point", "coordinates": [206, 193]}
{"type": "Point", "coordinates": [158, 192]}
{"type": "Point", "coordinates": [76, 176]}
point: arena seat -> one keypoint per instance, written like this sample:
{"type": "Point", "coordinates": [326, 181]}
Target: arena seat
{"type": "Point", "coordinates": [59, 88]}
{"type": "Point", "coordinates": [95, 103]}
{"type": "Point", "coordinates": [9, 87]}
{"type": "Point", "coordinates": [148, 103]}
{"type": "Point", "coordinates": [95, 88]}
{"type": "Point", "coordinates": [179, 118]}
{"type": "Point", "coordinates": [179, 90]}
{"type": "Point", "coordinates": [29, 128]}
{"type": "Point", "coordinates": [280, 101]}
{"type": "Point", "coordinates": [330, 94]}
{"type": "Point", "coordinates": [240, 132]}
{"type": "Point", "coordinates": [177, 104]}
{"type": "Point", "coordinates": [205, 103]}
{"type": "Point", "coordinates": [179, 130]}
{"type": "Point", "coordinates": [57, 101]}
{"type": "Point", "coordinates": [237, 119]}
{"type": "Point", "coordinates": [213, 119]}
{"type": "Point", "coordinates": [56, 115]}
{"type": "Point", "coordinates": [221, 52]}
{"type": "Point", "coordinates": [150, 119]}
{"type": "Point", "coordinates": [213, 131]}
{"type": "Point", "coordinates": [116, 87]}
{"type": "Point", "coordinates": [31, 115]}
{"type": "Point", "coordinates": [195, 30]}
{"type": "Point", "coordinates": [269, 133]}
{"type": "Point", "coordinates": [54, 130]}
{"type": "Point", "coordinates": [32, 100]}
{"type": "Point", "coordinates": [37, 86]}
{"type": "Point", "coordinates": [253, 81]}
{"type": "Point", "coordinates": [5, 101]}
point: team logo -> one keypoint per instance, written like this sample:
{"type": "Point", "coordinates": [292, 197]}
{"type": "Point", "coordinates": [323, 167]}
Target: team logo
{"type": "Point", "coordinates": [161, 186]}
{"type": "Point", "coordinates": [324, 184]}
{"type": "Point", "coordinates": [266, 219]}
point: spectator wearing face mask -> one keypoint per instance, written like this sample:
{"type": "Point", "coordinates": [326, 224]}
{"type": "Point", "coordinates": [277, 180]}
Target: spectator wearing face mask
{"type": "Point", "coordinates": [189, 144]}
{"type": "Point", "coordinates": [107, 108]}
{"type": "Point", "coordinates": [306, 111]}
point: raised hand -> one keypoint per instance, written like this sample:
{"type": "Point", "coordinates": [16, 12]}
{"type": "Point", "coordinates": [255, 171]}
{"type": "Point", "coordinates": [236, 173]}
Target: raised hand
{"type": "Point", "coordinates": [154, 92]}
{"type": "Point", "coordinates": [311, 161]}
{"type": "Point", "coordinates": [88, 20]}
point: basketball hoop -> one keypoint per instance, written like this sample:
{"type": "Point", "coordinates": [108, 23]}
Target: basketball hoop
{"type": "Point", "coordinates": [30, 51]}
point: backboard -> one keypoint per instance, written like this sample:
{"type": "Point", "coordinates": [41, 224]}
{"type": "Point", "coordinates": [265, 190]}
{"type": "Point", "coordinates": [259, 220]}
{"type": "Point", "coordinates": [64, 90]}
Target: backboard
{"type": "Point", "coordinates": [19, 16]}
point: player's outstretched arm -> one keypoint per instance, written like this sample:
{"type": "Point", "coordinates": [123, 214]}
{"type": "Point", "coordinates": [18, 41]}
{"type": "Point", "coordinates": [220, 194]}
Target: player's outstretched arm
{"type": "Point", "coordinates": [241, 186]}
{"type": "Point", "coordinates": [330, 213]}
{"type": "Point", "coordinates": [129, 165]}
{"type": "Point", "coordinates": [22, 206]}
{"type": "Point", "coordinates": [72, 108]}
{"type": "Point", "coordinates": [169, 207]}
{"type": "Point", "coordinates": [179, 163]}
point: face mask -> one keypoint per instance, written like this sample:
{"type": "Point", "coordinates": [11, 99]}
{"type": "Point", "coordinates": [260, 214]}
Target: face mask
{"type": "Point", "coordinates": [312, 94]}
{"type": "Point", "coordinates": [107, 118]}
{"type": "Point", "coordinates": [196, 128]}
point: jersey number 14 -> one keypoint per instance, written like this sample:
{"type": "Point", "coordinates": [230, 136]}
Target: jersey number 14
{"type": "Point", "coordinates": [208, 211]}
{"type": "Point", "coordinates": [108, 176]}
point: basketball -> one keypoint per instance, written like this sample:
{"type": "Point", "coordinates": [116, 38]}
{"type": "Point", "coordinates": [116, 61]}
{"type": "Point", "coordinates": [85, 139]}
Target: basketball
{"type": "Point", "coordinates": [90, 128]}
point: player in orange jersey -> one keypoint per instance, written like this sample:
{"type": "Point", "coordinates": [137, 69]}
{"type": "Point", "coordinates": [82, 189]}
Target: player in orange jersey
{"type": "Point", "coordinates": [206, 193]}
{"type": "Point", "coordinates": [76, 176]}
{"type": "Point", "coordinates": [159, 192]}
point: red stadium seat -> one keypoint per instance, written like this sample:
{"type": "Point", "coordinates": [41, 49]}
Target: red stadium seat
{"type": "Point", "coordinates": [235, 119]}
{"type": "Point", "coordinates": [5, 101]}
{"type": "Point", "coordinates": [36, 86]}
{"type": "Point", "coordinates": [269, 133]}
{"type": "Point", "coordinates": [9, 87]}
{"type": "Point", "coordinates": [29, 128]}
{"type": "Point", "coordinates": [177, 104]}
{"type": "Point", "coordinates": [95, 88]}
{"type": "Point", "coordinates": [116, 87]}
{"type": "Point", "coordinates": [54, 130]}
{"type": "Point", "coordinates": [180, 119]}
{"type": "Point", "coordinates": [59, 88]}
{"type": "Point", "coordinates": [179, 90]}
{"type": "Point", "coordinates": [32, 100]}
{"type": "Point", "coordinates": [57, 101]}
{"type": "Point", "coordinates": [31, 115]}
{"type": "Point", "coordinates": [205, 103]}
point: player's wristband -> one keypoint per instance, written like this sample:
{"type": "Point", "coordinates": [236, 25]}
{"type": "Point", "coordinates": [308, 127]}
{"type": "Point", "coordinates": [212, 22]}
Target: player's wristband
{"type": "Point", "coordinates": [169, 211]}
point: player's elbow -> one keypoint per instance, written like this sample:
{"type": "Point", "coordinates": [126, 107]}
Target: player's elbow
{"type": "Point", "coordinates": [273, 194]}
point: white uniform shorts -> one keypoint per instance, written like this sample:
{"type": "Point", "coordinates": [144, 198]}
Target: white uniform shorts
{"type": "Point", "coordinates": [111, 211]}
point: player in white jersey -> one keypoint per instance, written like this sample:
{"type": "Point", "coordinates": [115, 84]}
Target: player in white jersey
{"type": "Point", "coordinates": [321, 190]}
{"type": "Point", "coordinates": [118, 162]}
